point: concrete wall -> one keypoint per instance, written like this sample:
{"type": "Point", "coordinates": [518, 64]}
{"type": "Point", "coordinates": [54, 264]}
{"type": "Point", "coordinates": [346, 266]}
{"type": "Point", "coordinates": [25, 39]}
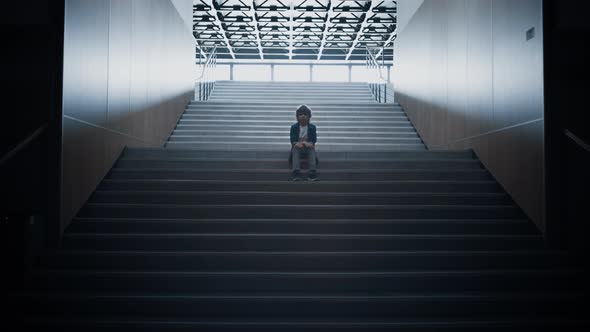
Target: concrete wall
{"type": "Point", "coordinates": [405, 10]}
{"type": "Point", "coordinates": [128, 74]}
{"type": "Point", "coordinates": [185, 10]}
{"type": "Point", "coordinates": [468, 78]}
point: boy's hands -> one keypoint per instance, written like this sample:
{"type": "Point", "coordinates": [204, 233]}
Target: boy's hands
{"type": "Point", "coordinates": [301, 145]}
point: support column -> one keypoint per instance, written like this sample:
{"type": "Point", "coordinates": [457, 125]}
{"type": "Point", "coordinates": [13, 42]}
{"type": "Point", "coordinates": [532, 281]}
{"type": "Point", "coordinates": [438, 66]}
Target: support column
{"type": "Point", "coordinates": [388, 74]}
{"type": "Point", "coordinates": [272, 72]}
{"type": "Point", "coordinates": [231, 72]}
{"type": "Point", "coordinates": [349, 73]}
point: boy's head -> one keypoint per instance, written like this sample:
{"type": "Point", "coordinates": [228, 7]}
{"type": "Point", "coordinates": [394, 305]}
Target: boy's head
{"type": "Point", "coordinates": [303, 114]}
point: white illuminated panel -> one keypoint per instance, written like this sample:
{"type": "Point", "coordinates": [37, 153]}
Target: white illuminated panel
{"type": "Point", "coordinates": [292, 73]}
{"type": "Point", "coordinates": [252, 72]}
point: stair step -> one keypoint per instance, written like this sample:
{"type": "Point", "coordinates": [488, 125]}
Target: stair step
{"type": "Point", "coordinates": [221, 127]}
{"type": "Point", "coordinates": [298, 87]}
{"type": "Point", "coordinates": [282, 137]}
{"type": "Point", "coordinates": [299, 92]}
{"type": "Point", "coordinates": [289, 112]}
{"type": "Point", "coordinates": [282, 133]}
{"type": "Point", "coordinates": [305, 226]}
{"type": "Point", "coordinates": [296, 198]}
{"type": "Point", "coordinates": [247, 107]}
{"type": "Point", "coordinates": [294, 210]}
{"type": "Point", "coordinates": [298, 101]}
{"type": "Point", "coordinates": [456, 324]}
{"type": "Point", "coordinates": [277, 175]}
{"type": "Point", "coordinates": [298, 242]}
{"type": "Point", "coordinates": [293, 104]}
{"type": "Point", "coordinates": [324, 95]}
{"type": "Point", "coordinates": [329, 283]}
{"type": "Point", "coordinates": [280, 104]}
{"type": "Point", "coordinates": [314, 307]}
{"type": "Point", "coordinates": [272, 146]}
{"type": "Point", "coordinates": [289, 122]}
{"type": "Point", "coordinates": [294, 83]}
{"type": "Point", "coordinates": [359, 187]}
{"type": "Point", "coordinates": [290, 118]}
{"type": "Point", "coordinates": [304, 261]}
{"type": "Point", "coordinates": [285, 139]}
{"type": "Point", "coordinates": [150, 153]}
{"type": "Point", "coordinates": [282, 164]}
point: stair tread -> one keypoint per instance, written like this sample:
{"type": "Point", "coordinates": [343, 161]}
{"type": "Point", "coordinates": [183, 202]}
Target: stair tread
{"type": "Point", "coordinates": [324, 274]}
{"type": "Point", "coordinates": [286, 170]}
{"type": "Point", "coordinates": [352, 296]}
{"type": "Point", "coordinates": [537, 321]}
{"type": "Point", "coordinates": [288, 193]}
{"type": "Point", "coordinates": [408, 253]}
{"type": "Point", "coordinates": [306, 220]}
{"type": "Point", "coordinates": [308, 235]}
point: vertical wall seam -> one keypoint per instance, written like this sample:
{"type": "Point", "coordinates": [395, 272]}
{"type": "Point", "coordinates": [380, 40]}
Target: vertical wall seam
{"type": "Point", "coordinates": [466, 100]}
{"type": "Point", "coordinates": [129, 129]}
{"type": "Point", "coordinates": [61, 221]}
{"type": "Point", "coordinates": [491, 17]}
{"type": "Point", "coordinates": [108, 108]}
{"type": "Point", "coordinates": [446, 132]}
{"type": "Point", "coordinates": [544, 211]}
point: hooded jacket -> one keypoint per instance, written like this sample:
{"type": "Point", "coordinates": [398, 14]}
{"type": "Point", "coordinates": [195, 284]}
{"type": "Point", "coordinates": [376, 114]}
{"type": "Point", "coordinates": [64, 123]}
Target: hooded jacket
{"type": "Point", "coordinates": [311, 133]}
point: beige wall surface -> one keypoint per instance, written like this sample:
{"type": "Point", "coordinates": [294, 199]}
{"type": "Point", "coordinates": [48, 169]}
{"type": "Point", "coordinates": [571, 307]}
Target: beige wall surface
{"type": "Point", "coordinates": [128, 75]}
{"type": "Point", "coordinates": [468, 77]}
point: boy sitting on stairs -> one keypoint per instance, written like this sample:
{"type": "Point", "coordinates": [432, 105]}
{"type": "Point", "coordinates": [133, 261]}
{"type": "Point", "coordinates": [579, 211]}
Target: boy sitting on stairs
{"type": "Point", "coordinates": [303, 139]}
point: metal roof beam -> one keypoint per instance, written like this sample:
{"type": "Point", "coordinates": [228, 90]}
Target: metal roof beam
{"type": "Point", "coordinates": [253, 13]}
{"type": "Point", "coordinates": [213, 12]}
{"type": "Point", "coordinates": [360, 31]}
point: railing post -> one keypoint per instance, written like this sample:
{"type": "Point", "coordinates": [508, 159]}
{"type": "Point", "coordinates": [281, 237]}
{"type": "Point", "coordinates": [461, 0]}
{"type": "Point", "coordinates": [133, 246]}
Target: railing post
{"type": "Point", "coordinates": [376, 82]}
{"type": "Point", "coordinates": [207, 79]}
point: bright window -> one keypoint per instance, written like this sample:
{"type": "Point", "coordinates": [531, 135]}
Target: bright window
{"type": "Point", "coordinates": [252, 72]}
{"type": "Point", "coordinates": [222, 72]}
{"type": "Point", "coordinates": [359, 74]}
{"type": "Point", "coordinates": [330, 73]}
{"type": "Point", "coordinates": [295, 73]}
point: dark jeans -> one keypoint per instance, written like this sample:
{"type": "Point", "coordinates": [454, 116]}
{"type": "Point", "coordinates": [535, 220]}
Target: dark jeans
{"type": "Point", "coordinates": [296, 154]}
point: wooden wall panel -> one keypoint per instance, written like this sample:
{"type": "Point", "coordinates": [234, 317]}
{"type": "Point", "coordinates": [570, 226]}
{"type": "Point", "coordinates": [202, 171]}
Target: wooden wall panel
{"type": "Point", "coordinates": [119, 81]}
{"type": "Point", "coordinates": [468, 78]}
{"type": "Point", "coordinates": [456, 110]}
{"type": "Point", "coordinates": [128, 67]}
{"type": "Point", "coordinates": [438, 72]}
{"type": "Point", "coordinates": [139, 68]}
{"type": "Point", "coordinates": [479, 85]}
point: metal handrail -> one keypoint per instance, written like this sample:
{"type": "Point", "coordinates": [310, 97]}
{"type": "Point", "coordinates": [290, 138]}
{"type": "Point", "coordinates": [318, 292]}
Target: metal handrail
{"type": "Point", "coordinates": [580, 142]}
{"type": "Point", "coordinates": [376, 81]}
{"type": "Point", "coordinates": [24, 143]}
{"type": "Point", "coordinates": [206, 81]}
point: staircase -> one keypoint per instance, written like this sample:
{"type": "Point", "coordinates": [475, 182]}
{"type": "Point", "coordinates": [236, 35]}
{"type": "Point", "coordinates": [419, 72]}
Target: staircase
{"type": "Point", "coordinates": [252, 115]}
{"type": "Point", "coordinates": [209, 236]}
{"type": "Point", "coordinates": [291, 92]}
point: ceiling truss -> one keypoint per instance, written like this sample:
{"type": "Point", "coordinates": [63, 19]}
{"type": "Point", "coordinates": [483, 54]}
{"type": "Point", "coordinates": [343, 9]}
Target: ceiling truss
{"type": "Point", "coordinates": [294, 30]}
